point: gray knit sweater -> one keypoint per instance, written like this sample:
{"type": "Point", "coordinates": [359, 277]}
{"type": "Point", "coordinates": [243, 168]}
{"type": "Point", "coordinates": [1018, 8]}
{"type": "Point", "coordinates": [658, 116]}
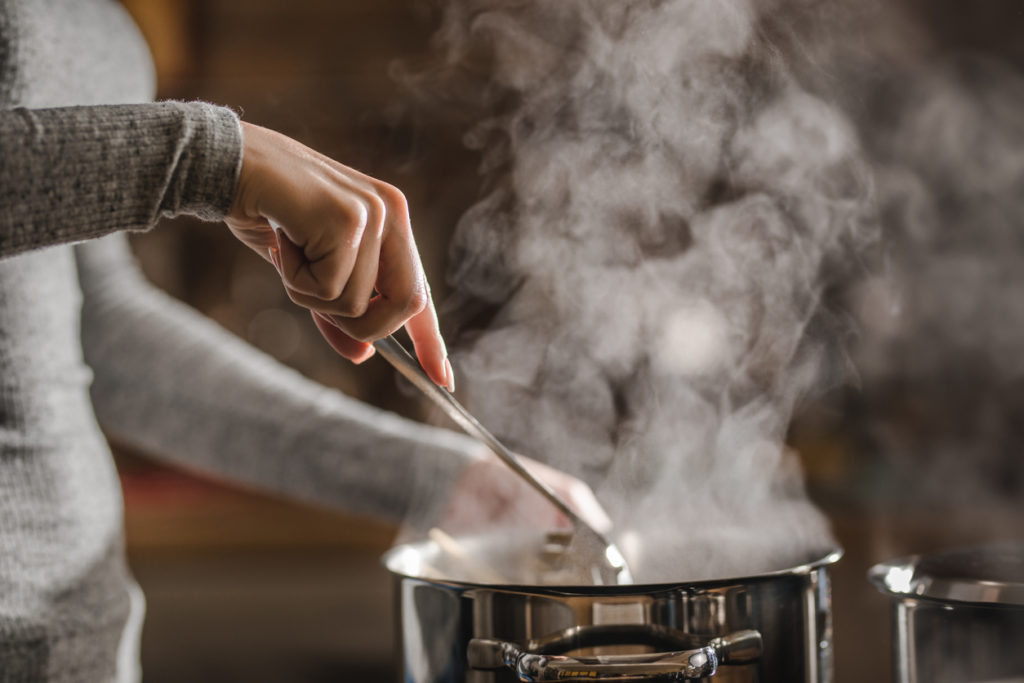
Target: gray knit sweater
{"type": "Point", "coordinates": [84, 341]}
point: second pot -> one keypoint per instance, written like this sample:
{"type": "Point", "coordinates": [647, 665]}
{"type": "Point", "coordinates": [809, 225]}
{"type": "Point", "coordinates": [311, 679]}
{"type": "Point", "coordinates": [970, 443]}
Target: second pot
{"type": "Point", "coordinates": [957, 616]}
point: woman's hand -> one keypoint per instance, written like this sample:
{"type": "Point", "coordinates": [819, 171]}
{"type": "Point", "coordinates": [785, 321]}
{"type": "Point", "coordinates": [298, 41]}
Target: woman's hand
{"type": "Point", "coordinates": [344, 248]}
{"type": "Point", "coordinates": [489, 494]}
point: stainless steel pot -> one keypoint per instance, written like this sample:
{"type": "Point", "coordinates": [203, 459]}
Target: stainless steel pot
{"type": "Point", "coordinates": [957, 616]}
{"type": "Point", "coordinates": [770, 628]}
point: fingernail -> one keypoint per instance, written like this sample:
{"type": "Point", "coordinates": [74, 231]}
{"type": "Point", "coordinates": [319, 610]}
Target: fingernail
{"type": "Point", "coordinates": [450, 375]}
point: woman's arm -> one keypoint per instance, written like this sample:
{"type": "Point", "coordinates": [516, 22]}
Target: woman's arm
{"type": "Point", "coordinates": [74, 173]}
{"type": "Point", "coordinates": [344, 245]}
{"type": "Point", "coordinates": [177, 386]}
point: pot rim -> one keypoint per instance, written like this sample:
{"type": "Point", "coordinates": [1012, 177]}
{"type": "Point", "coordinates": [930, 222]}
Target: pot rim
{"type": "Point", "coordinates": [956, 576]}
{"type": "Point", "coordinates": [399, 554]}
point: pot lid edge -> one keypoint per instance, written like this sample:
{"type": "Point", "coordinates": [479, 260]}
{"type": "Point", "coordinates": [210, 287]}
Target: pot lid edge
{"type": "Point", "coordinates": [909, 577]}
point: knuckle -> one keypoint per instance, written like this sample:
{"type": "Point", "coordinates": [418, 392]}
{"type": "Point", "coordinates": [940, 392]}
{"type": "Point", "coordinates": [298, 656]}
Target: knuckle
{"type": "Point", "coordinates": [416, 301]}
{"type": "Point", "coordinates": [351, 307]}
{"type": "Point", "coordinates": [327, 288]}
{"type": "Point", "coordinates": [392, 194]}
{"type": "Point", "coordinates": [377, 215]}
{"type": "Point", "coordinates": [358, 216]}
{"type": "Point", "coordinates": [346, 212]}
{"type": "Point", "coordinates": [376, 204]}
{"type": "Point", "coordinates": [396, 202]}
{"type": "Point", "coordinates": [329, 292]}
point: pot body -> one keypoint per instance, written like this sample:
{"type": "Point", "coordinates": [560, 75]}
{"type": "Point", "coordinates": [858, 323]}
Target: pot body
{"type": "Point", "coordinates": [957, 616]}
{"type": "Point", "coordinates": [941, 642]}
{"type": "Point", "coordinates": [440, 623]}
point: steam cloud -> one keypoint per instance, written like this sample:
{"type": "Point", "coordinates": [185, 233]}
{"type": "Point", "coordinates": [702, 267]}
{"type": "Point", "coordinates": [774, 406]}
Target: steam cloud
{"type": "Point", "coordinates": [941, 353]}
{"type": "Point", "coordinates": [665, 201]}
{"type": "Point", "coordinates": [673, 186]}
{"type": "Point", "coordinates": [936, 413]}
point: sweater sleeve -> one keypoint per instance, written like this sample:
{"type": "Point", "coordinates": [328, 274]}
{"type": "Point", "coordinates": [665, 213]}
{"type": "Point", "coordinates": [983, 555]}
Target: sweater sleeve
{"type": "Point", "coordinates": [171, 382]}
{"type": "Point", "coordinates": [74, 173]}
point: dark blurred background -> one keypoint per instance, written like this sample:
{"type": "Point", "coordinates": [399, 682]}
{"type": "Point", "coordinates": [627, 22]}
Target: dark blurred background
{"type": "Point", "coordinates": [244, 587]}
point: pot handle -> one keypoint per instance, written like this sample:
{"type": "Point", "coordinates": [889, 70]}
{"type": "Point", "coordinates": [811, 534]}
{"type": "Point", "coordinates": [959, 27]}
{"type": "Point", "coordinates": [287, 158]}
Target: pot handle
{"type": "Point", "coordinates": [740, 647]}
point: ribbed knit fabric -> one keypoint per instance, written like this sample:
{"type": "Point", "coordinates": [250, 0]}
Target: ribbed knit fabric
{"type": "Point", "coordinates": [85, 341]}
{"type": "Point", "coordinates": [80, 172]}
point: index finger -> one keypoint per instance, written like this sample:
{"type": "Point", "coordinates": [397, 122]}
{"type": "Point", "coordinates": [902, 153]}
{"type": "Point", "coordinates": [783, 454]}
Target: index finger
{"type": "Point", "coordinates": [398, 289]}
{"type": "Point", "coordinates": [430, 349]}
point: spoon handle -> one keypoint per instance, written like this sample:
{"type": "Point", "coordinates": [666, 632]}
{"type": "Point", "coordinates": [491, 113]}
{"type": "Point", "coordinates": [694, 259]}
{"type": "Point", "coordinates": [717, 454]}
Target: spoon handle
{"type": "Point", "coordinates": [393, 352]}
{"type": "Point", "coordinates": [609, 565]}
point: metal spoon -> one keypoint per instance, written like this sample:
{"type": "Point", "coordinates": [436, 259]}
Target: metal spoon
{"type": "Point", "coordinates": [588, 547]}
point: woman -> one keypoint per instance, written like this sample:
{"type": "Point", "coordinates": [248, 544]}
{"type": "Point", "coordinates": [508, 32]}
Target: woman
{"type": "Point", "coordinates": [84, 158]}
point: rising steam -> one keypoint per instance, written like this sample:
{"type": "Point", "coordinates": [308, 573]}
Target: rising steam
{"type": "Point", "coordinates": [666, 203]}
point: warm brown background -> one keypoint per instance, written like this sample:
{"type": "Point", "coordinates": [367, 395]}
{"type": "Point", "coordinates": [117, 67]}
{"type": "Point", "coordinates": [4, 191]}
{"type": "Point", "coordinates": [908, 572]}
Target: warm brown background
{"type": "Point", "coordinates": [242, 587]}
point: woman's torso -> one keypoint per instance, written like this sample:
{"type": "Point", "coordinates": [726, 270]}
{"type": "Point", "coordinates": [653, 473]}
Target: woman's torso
{"type": "Point", "coordinates": [64, 591]}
